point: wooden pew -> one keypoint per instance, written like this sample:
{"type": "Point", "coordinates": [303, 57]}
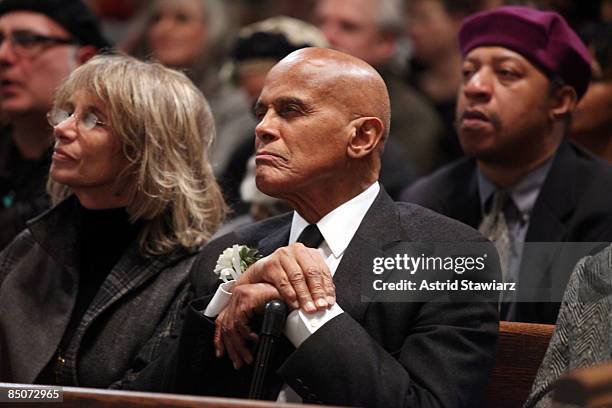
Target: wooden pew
{"type": "Point", "coordinates": [520, 351]}
{"type": "Point", "coordinates": [586, 387]}
{"type": "Point", "coordinates": [74, 397]}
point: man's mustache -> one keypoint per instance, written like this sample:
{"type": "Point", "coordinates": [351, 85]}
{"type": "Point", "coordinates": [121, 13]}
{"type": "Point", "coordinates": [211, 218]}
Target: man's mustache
{"type": "Point", "coordinates": [474, 114]}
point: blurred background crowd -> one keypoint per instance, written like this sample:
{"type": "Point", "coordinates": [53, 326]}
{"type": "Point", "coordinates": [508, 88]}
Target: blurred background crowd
{"type": "Point", "coordinates": [226, 47]}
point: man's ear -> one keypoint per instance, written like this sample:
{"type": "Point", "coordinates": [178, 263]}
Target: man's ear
{"type": "Point", "coordinates": [563, 102]}
{"type": "Point", "coordinates": [84, 53]}
{"type": "Point", "coordinates": [367, 136]}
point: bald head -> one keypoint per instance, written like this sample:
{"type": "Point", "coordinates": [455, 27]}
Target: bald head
{"type": "Point", "coordinates": [323, 118]}
{"type": "Point", "coordinates": [351, 82]}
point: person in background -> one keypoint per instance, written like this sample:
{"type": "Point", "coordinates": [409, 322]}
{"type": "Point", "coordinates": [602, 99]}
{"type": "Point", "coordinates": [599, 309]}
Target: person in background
{"type": "Point", "coordinates": [41, 42]}
{"type": "Point", "coordinates": [90, 291]}
{"type": "Point", "coordinates": [435, 64]}
{"type": "Point", "coordinates": [605, 11]}
{"type": "Point", "coordinates": [523, 71]}
{"type": "Point", "coordinates": [116, 16]}
{"type": "Point", "coordinates": [592, 121]}
{"type": "Point", "coordinates": [192, 35]}
{"type": "Point", "coordinates": [371, 30]}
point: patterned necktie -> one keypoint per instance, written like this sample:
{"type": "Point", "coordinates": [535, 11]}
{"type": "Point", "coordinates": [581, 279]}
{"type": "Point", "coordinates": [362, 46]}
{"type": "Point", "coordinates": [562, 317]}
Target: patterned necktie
{"type": "Point", "coordinates": [311, 236]}
{"type": "Point", "coordinates": [495, 228]}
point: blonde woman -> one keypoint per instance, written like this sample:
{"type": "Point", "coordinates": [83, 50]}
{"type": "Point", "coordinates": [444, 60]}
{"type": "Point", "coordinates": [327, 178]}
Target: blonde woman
{"type": "Point", "coordinates": [89, 291]}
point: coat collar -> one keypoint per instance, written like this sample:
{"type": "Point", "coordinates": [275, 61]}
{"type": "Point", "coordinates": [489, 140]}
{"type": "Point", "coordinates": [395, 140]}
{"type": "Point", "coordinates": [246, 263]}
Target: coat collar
{"type": "Point", "coordinates": [278, 238]}
{"type": "Point", "coordinates": [557, 198]}
{"type": "Point", "coordinates": [57, 232]}
{"type": "Point", "coordinates": [555, 202]}
{"type": "Point", "coordinates": [379, 230]}
{"type": "Point", "coordinates": [463, 200]}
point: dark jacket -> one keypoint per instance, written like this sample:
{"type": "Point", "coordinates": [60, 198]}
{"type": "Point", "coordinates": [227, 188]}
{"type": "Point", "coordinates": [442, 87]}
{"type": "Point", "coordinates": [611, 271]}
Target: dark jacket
{"type": "Point", "coordinates": [22, 188]}
{"type": "Point", "coordinates": [132, 313]}
{"type": "Point", "coordinates": [574, 205]}
{"type": "Point", "coordinates": [386, 354]}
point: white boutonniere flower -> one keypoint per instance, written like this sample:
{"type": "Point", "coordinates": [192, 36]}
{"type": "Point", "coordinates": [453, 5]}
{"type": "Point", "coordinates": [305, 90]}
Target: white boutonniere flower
{"type": "Point", "coordinates": [234, 261]}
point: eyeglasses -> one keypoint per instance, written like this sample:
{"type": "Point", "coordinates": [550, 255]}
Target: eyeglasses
{"type": "Point", "coordinates": [27, 43]}
{"type": "Point", "coordinates": [84, 123]}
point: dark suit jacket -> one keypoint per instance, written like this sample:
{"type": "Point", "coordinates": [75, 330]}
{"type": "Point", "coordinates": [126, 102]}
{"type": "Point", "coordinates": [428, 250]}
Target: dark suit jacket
{"type": "Point", "coordinates": [435, 354]}
{"type": "Point", "coordinates": [574, 205]}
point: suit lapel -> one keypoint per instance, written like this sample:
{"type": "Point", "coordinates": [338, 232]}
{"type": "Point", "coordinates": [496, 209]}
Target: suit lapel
{"type": "Point", "coordinates": [557, 199]}
{"type": "Point", "coordinates": [464, 204]}
{"type": "Point", "coordinates": [276, 239]}
{"type": "Point", "coordinates": [379, 229]}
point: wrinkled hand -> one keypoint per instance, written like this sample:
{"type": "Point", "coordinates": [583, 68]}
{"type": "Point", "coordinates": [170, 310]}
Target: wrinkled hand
{"type": "Point", "coordinates": [232, 328]}
{"type": "Point", "coordinates": [299, 274]}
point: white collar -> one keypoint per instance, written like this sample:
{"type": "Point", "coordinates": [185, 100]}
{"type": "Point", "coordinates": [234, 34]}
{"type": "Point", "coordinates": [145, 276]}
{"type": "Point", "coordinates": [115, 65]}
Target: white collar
{"type": "Point", "coordinates": [339, 226]}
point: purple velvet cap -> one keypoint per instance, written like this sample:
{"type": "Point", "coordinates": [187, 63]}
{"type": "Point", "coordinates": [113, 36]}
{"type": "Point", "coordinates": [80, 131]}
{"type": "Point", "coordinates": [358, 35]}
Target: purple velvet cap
{"type": "Point", "coordinates": [542, 37]}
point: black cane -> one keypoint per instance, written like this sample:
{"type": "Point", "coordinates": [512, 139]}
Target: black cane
{"type": "Point", "coordinates": [273, 323]}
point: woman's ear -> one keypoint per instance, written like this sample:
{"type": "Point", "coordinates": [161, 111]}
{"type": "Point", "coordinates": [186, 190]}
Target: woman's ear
{"type": "Point", "coordinates": [367, 136]}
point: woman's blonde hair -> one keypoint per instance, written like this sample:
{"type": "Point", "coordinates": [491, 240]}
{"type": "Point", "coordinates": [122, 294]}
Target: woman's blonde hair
{"type": "Point", "coordinates": [166, 128]}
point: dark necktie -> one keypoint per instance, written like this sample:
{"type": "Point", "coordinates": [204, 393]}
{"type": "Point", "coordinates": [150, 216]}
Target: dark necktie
{"type": "Point", "coordinates": [311, 236]}
{"type": "Point", "coordinates": [495, 228]}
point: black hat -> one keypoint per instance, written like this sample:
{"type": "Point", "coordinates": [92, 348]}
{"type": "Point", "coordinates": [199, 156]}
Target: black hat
{"type": "Point", "coordinates": [73, 15]}
{"type": "Point", "coordinates": [275, 38]}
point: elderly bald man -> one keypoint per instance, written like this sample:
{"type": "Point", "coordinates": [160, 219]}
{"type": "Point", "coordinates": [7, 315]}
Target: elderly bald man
{"type": "Point", "coordinates": [324, 117]}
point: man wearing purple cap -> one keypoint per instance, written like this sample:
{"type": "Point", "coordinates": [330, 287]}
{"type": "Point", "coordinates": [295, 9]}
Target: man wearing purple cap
{"type": "Point", "coordinates": [41, 42]}
{"type": "Point", "coordinates": [524, 70]}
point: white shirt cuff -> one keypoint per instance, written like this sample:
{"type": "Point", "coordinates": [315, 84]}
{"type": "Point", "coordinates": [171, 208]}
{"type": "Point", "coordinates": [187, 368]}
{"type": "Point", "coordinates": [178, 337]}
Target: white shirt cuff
{"type": "Point", "coordinates": [220, 299]}
{"type": "Point", "coordinates": [300, 325]}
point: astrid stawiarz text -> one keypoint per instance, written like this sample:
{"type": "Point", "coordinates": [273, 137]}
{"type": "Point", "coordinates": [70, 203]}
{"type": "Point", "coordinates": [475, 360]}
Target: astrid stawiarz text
{"type": "Point", "coordinates": [457, 264]}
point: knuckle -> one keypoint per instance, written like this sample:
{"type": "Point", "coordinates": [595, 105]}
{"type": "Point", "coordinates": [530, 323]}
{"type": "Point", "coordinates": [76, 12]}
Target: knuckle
{"type": "Point", "coordinates": [286, 288]}
{"type": "Point", "coordinates": [282, 251]}
{"type": "Point", "coordinates": [239, 290]}
{"type": "Point", "coordinates": [228, 327]}
{"type": "Point", "coordinates": [312, 271]}
{"type": "Point", "coordinates": [316, 287]}
{"type": "Point", "coordinates": [296, 276]}
{"type": "Point", "coordinates": [314, 252]}
{"type": "Point", "coordinates": [243, 312]}
{"type": "Point", "coordinates": [284, 284]}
